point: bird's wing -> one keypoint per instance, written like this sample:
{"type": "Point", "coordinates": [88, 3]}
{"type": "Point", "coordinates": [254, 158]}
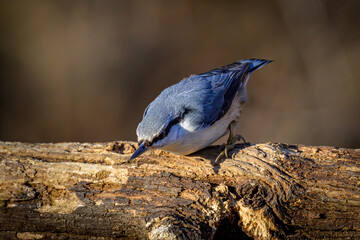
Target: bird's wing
{"type": "Point", "coordinates": [196, 102]}
{"type": "Point", "coordinates": [210, 94]}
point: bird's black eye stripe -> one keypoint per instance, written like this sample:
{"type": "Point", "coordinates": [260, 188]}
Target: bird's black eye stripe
{"type": "Point", "coordinates": [169, 126]}
{"type": "Point", "coordinates": [167, 129]}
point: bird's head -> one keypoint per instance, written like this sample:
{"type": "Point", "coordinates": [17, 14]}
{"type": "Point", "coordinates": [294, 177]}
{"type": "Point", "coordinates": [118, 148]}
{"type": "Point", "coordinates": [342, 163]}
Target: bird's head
{"type": "Point", "coordinates": [160, 127]}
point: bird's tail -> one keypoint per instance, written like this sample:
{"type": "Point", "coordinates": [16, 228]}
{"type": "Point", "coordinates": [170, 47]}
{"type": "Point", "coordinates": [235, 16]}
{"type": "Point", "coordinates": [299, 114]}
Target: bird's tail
{"type": "Point", "coordinates": [239, 70]}
{"type": "Point", "coordinates": [255, 64]}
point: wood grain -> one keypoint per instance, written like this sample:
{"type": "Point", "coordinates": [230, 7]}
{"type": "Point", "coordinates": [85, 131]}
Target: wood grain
{"type": "Point", "coordinates": [93, 191]}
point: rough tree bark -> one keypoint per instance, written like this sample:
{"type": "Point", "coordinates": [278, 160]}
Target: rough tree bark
{"type": "Point", "coordinates": [93, 191]}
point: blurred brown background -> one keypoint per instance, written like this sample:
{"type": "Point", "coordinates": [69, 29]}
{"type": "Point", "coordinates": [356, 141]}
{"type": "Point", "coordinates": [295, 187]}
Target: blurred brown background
{"type": "Point", "coordinates": [86, 70]}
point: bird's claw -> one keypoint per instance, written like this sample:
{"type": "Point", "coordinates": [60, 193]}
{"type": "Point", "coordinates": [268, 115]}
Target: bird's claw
{"type": "Point", "coordinates": [222, 146]}
{"type": "Point", "coordinates": [219, 157]}
{"type": "Point", "coordinates": [225, 152]}
{"type": "Point", "coordinates": [230, 145]}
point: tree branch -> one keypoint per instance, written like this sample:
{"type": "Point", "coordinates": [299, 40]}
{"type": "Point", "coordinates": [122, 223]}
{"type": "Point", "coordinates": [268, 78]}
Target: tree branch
{"type": "Point", "coordinates": [266, 191]}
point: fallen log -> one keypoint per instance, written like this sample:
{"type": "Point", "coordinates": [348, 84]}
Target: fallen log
{"type": "Point", "coordinates": [93, 191]}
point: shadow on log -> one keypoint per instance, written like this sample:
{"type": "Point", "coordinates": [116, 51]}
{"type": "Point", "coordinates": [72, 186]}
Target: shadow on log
{"type": "Point", "coordinates": [93, 191]}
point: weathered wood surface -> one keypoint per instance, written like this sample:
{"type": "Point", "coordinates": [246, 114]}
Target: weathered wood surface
{"type": "Point", "coordinates": [92, 191]}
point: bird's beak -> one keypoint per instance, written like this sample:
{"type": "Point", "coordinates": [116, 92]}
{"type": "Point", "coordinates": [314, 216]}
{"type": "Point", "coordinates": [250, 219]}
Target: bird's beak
{"type": "Point", "coordinates": [142, 148]}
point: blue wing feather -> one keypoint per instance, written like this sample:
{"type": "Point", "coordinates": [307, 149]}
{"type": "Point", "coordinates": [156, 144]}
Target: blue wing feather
{"type": "Point", "coordinates": [225, 82]}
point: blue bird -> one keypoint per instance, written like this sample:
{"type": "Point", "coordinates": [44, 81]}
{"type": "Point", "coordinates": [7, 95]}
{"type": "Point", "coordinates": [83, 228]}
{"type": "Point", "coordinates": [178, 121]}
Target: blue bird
{"type": "Point", "coordinates": [197, 111]}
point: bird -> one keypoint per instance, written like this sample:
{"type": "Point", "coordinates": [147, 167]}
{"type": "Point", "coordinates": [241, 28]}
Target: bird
{"type": "Point", "coordinates": [194, 113]}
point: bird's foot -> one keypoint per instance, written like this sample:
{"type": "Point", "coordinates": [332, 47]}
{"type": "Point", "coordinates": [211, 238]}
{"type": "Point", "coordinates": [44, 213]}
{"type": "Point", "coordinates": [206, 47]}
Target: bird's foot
{"type": "Point", "coordinates": [232, 140]}
{"type": "Point", "coordinates": [224, 153]}
{"type": "Point", "coordinates": [230, 145]}
{"type": "Point", "coordinates": [237, 138]}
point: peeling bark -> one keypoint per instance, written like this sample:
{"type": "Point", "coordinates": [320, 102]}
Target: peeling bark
{"type": "Point", "coordinates": [93, 191]}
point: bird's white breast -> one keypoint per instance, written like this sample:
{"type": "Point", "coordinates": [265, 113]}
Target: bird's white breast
{"type": "Point", "coordinates": [193, 141]}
